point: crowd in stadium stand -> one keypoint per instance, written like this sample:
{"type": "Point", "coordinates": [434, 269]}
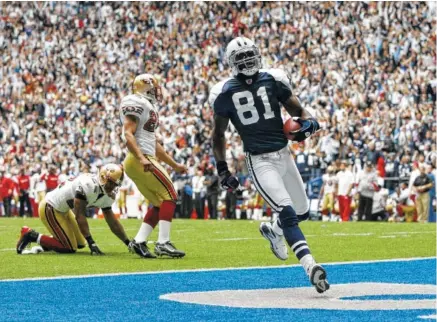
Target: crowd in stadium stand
{"type": "Point", "coordinates": [365, 70]}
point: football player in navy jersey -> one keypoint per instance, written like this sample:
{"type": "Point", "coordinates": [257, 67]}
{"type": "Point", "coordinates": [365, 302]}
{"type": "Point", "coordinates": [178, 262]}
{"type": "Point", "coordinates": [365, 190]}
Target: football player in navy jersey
{"type": "Point", "coordinates": [251, 100]}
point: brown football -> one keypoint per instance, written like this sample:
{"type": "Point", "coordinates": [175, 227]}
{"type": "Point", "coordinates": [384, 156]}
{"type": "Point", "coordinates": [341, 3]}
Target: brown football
{"type": "Point", "coordinates": [291, 126]}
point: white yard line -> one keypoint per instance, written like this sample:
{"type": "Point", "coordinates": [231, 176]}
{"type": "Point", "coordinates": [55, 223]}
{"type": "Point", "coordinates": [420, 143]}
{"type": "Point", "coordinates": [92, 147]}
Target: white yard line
{"type": "Point", "coordinates": [210, 269]}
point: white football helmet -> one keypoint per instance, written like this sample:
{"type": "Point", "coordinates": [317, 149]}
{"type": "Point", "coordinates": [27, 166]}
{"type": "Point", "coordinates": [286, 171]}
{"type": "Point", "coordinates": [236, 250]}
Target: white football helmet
{"type": "Point", "coordinates": [243, 56]}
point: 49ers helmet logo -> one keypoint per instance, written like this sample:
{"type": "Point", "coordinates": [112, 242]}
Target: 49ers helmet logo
{"type": "Point", "coordinates": [152, 123]}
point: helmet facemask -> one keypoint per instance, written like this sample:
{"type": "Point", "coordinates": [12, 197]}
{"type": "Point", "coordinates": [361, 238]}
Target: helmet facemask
{"type": "Point", "coordinates": [246, 61]}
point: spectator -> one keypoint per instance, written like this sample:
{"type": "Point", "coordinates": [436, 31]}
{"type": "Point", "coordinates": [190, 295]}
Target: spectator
{"type": "Point", "coordinates": [50, 178]}
{"type": "Point", "coordinates": [391, 168]}
{"type": "Point", "coordinates": [328, 192]}
{"type": "Point", "coordinates": [404, 169]}
{"type": "Point", "coordinates": [212, 191]}
{"type": "Point", "coordinates": [406, 205]}
{"type": "Point", "coordinates": [6, 190]}
{"type": "Point", "coordinates": [301, 159]}
{"type": "Point", "coordinates": [422, 185]}
{"type": "Point", "coordinates": [379, 202]}
{"type": "Point", "coordinates": [199, 192]}
{"type": "Point", "coordinates": [366, 188]}
{"type": "Point", "coordinates": [345, 183]}
{"type": "Point", "coordinates": [432, 193]}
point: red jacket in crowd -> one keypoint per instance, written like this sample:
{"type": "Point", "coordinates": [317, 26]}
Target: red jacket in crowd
{"type": "Point", "coordinates": [51, 180]}
{"type": "Point", "coordinates": [6, 187]}
{"type": "Point", "coordinates": [23, 182]}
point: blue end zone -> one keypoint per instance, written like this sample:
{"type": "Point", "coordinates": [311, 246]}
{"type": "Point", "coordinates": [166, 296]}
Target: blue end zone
{"type": "Point", "coordinates": [136, 297]}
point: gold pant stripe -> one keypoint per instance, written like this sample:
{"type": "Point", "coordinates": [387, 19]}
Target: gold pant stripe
{"type": "Point", "coordinates": [162, 177]}
{"type": "Point", "coordinates": [57, 229]}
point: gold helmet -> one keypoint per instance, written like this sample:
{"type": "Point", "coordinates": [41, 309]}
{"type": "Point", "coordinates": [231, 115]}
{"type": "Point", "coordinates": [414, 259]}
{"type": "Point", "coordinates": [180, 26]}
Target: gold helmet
{"type": "Point", "coordinates": [148, 86]}
{"type": "Point", "coordinates": [110, 177]}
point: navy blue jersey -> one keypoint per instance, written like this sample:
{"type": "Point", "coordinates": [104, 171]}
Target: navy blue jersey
{"type": "Point", "coordinates": [254, 109]}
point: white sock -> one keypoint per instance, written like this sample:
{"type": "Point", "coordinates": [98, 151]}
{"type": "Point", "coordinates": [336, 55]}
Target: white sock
{"type": "Point", "coordinates": [143, 233]}
{"type": "Point", "coordinates": [275, 216]}
{"type": "Point", "coordinates": [277, 229]}
{"type": "Point", "coordinates": [249, 213]}
{"type": "Point", "coordinates": [307, 262]}
{"type": "Point", "coordinates": [38, 240]}
{"type": "Point", "coordinates": [258, 213]}
{"type": "Point", "coordinates": [164, 231]}
{"type": "Point", "coordinates": [237, 213]}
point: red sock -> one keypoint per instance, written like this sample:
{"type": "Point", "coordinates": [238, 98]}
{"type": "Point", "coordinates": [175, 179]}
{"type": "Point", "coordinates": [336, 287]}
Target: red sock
{"type": "Point", "coordinates": [152, 216]}
{"type": "Point", "coordinates": [166, 211]}
{"type": "Point", "coordinates": [50, 243]}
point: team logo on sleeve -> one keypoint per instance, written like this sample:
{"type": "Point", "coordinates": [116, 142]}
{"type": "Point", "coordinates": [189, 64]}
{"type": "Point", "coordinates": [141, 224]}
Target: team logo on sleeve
{"type": "Point", "coordinates": [132, 109]}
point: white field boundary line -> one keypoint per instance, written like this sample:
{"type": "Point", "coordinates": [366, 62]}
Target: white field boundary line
{"type": "Point", "coordinates": [403, 233]}
{"type": "Point", "coordinates": [196, 270]}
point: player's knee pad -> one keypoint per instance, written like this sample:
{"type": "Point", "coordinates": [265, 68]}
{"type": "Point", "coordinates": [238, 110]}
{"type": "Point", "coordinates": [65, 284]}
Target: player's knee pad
{"type": "Point", "coordinates": [304, 216]}
{"type": "Point", "coordinates": [288, 217]}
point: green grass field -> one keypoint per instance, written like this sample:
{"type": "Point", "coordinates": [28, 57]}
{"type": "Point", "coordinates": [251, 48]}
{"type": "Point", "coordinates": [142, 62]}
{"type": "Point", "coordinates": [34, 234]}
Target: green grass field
{"type": "Point", "coordinates": [216, 244]}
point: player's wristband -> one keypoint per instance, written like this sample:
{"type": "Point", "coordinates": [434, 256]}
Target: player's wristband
{"type": "Point", "coordinates": [222, 167]}
{"type": "Point", "coordinates": [90, 240]}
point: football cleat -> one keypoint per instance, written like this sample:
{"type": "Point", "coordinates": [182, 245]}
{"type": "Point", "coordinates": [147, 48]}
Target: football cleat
{"type": "Point", "coordinates": [34, 250]}
{"type": "Point", "coordinates": [140, 249]}
{"type": "Point", "coordinates": [318, 278]}
{"type": "Point", "coordinates": [27, 236]}
{"type": "Point", "coordinates": [277, 244]}
{"type": "Point", "coordinates": [168, 249]}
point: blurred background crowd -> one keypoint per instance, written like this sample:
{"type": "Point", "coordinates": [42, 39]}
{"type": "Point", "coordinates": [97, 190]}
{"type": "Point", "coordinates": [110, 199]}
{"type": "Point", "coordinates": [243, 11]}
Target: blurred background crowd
{"type": "Point", "coordinates": [365, 70]}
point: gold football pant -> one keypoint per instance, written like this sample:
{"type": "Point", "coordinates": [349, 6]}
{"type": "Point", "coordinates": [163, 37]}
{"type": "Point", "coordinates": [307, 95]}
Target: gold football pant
{"type": "Point", "coordinates": [156, 186]}
{"type": "Point", "coordinates": [328, 202]}
{"type": "Point", "coordinates": [62, 226]}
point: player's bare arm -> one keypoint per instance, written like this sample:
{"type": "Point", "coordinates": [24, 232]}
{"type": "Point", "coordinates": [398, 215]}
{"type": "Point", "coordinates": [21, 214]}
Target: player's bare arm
{"type": "Point", "coordinates": [79, 210]}
{"type": "Point", "coordinates": [295, 109]}
{"type": "Point", "coordinates": [218, 137]}
{"type": "Point", "coordinates": [130, 126]}
{"type": "Point", "coordinates": [227, 180]}
{"type": "Point", "coordinates": [115, 225]}
{"type": "Point", "coordinates": [167, 159]}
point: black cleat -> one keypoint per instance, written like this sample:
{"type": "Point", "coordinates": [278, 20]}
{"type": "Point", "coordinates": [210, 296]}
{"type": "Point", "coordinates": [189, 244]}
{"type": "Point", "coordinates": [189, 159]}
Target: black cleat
{"type": "Point", "coordinates": [168, 249]}
{"type": "Point", "coordinates": [140, 249]}
{"type": "Point", "coordinates": [27, 236]}
{"type": "Point", "coordinates": [318, 278]}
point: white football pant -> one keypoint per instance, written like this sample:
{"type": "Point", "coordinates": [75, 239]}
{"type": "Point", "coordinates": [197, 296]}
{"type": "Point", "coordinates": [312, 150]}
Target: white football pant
{"type": "Point", "coordinates": [278, 181]}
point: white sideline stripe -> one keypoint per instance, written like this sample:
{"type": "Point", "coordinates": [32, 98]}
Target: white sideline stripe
{"type": "Point", "coordinates": [209, 269]}
{"type": "Point", "coordinates": [335, 235]}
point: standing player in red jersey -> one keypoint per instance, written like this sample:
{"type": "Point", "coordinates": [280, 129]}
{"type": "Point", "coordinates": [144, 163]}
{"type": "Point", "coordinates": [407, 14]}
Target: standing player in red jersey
{"type": "Point", "coordinates": [23, 185]}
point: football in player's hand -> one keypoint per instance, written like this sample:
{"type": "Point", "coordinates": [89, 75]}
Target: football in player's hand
{"type": "Point", "coordinates": [291, 126]}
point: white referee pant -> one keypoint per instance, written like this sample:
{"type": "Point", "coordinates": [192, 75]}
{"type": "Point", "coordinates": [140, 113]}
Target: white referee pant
{"type": "Point", "coordinates": [278, 180]}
